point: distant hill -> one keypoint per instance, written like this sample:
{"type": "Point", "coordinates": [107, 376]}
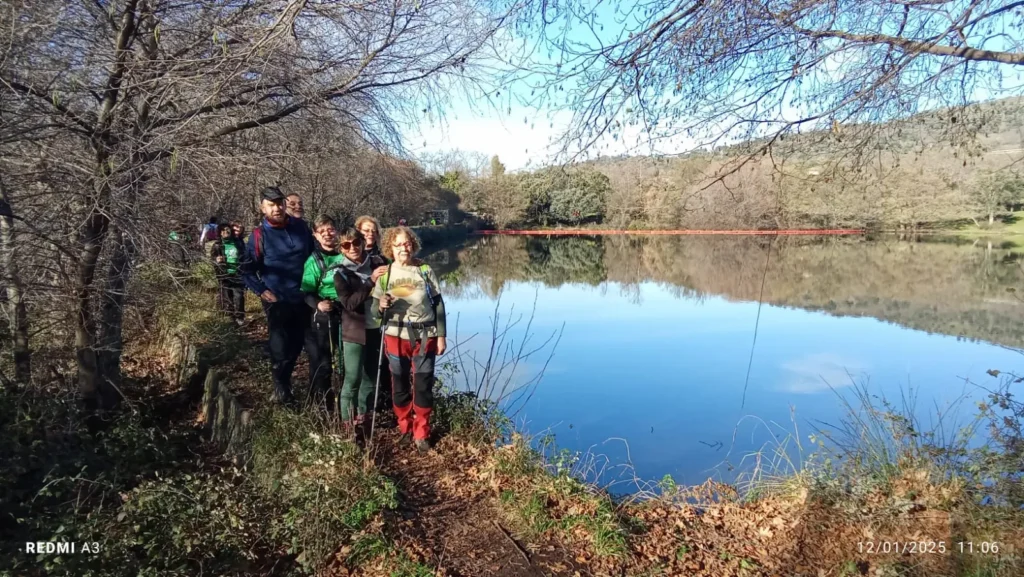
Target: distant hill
{"type": "Point", "coordinates": [909, 174]}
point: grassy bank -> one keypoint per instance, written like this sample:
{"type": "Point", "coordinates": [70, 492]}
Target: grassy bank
{"type": "Point", "coordinates": [158, 499]}
{"type": "Point", "coordinates": [1006, 230]}
{"type": "Point", "coordinates": [877, 496]}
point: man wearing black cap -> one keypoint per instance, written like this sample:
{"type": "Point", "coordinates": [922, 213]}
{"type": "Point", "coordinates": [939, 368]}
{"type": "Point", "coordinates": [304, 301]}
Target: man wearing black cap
{"type": "Point", "coordinates": [275, 256]}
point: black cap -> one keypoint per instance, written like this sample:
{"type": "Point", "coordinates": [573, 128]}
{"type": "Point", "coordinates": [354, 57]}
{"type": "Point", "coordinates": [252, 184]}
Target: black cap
{"type": "Point", "coordinates": [273, 194]}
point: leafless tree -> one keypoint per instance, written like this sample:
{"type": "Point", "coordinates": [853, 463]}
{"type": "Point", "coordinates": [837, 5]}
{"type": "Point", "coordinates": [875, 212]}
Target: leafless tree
{"type": "Point", "coordinates": [472, 164]}
{"type": "Point", "coordinates": [116, 102]}
{"type": "Point", "coordinates": [718, 72]}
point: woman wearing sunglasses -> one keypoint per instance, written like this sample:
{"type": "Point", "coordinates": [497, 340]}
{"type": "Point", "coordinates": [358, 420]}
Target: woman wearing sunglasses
{"type": "Point", "coordinates": [354, 280]}
{"type": "Point", "coordinates": [408, 297]}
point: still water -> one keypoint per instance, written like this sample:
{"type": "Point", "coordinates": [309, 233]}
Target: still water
{"type": "Point", "coordinates": [658, 366]}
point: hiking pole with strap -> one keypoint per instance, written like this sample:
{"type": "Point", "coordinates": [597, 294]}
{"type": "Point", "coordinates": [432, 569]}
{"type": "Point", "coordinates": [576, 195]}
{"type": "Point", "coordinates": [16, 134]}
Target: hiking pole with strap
{"type": "Point", "coordinates": [376, 388]}
{"type": "Point", "coordinates": [380, 361]}
{"type": "Point", "coordinates": [334, 368]}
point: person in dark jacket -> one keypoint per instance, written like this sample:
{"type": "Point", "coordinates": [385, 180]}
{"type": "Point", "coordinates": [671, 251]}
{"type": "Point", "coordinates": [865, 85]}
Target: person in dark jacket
{"type": "Point", "coordinates": [207, 235]}
{"type": "Point", "coordinates": [322, 342]}
{"type": "Point", "coordinates": [227, 253]}
{"type": "Point", "coordinates": [360, 337]}
{"type": "Point", "coordinates": [370, 228]}
{"type": "Point", "coordinates": [275, 256]}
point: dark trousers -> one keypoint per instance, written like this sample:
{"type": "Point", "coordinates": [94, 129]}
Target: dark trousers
{"type": "Point", "coordinates": [181, 255]}
{"type": "Point", "coordinates": [286, 323]}
{"type": "Point", "coordinates": [321, 344]}
{"type": "Point", "coordinates": [232, 296]}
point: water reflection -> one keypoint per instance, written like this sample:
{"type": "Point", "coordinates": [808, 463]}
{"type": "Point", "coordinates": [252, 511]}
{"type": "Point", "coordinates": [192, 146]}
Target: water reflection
{"type": "Point", "coordinates": [941, 286]}
{"type": "Point", "coordinates": [659, 333]}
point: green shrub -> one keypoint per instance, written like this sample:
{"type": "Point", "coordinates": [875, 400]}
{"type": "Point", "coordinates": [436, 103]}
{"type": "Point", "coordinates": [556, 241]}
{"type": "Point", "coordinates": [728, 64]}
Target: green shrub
{"type": "Point", "coordinates": [326, 490]}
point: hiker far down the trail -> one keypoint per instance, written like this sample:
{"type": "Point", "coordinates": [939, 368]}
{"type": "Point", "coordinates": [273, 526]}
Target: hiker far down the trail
{"type": "Point", "coordinates": [208, 234]}
{"type": "Point", "coordinates": [227, 255]}
{"type": "Point", "coordinates": [408, 299]}
{"type": "Point", "coordinates": [275, 258]}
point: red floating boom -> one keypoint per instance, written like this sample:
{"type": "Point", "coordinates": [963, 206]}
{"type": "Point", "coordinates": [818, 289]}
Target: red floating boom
{"type": "Point", "coordinates": [576, 232]}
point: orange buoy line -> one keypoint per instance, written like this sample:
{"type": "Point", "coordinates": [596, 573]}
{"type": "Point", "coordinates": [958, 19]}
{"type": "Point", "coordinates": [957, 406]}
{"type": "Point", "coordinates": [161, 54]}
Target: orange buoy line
{"type": "Point", "coordinates": [574, 232]}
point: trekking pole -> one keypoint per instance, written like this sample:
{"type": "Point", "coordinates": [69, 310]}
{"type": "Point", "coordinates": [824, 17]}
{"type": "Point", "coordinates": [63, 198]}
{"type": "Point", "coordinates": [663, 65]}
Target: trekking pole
{"type": "Point", "coordinates": [380, 361]}
{"type": "Point", "coordinates": [334, 364]}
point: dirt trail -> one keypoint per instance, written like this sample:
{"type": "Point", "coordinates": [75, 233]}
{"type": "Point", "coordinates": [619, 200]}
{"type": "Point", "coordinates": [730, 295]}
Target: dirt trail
{"type": "Point", "coordinates": [447, 520]}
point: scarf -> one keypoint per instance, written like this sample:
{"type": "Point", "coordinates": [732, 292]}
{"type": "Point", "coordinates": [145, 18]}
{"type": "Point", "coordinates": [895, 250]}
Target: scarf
{"type": "Point", "coordinates": [363, 269]}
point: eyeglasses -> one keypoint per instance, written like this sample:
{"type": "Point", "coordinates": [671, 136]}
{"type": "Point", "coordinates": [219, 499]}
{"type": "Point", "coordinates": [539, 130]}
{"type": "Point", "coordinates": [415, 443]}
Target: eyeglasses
{"type": "Point", "coordinates": [327, 231]}
{"type": "Point", "coordinates": [407, 244]}
{"type": "Point", "coordinates": [349, 244]}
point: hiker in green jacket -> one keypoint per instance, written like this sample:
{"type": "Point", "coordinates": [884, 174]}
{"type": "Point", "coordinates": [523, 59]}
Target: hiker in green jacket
{"type": "Point", "coordinates": [226, 254]}
{"type": "Point", "coordinates": [318, 289]}
{"type": "Point", "coordinates": [360, 337]}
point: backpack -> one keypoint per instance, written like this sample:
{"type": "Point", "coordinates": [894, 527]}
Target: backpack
{"type": "Point", "coordinates": [324, 269]}
{"type": "Point", "coordinates": [257, 237]}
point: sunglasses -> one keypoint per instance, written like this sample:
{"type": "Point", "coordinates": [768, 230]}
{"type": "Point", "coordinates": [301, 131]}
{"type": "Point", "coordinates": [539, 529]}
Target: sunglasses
{"type": "Point", "coordinates": [349, 244]}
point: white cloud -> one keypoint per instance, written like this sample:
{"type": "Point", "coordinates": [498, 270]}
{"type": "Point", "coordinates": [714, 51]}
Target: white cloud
{"type": "Point", "coordinates": [526, 138]}
{"type": "Point", "coordinates": [816, 373]}
{"type": "Point", "coordinates": [517, 143]}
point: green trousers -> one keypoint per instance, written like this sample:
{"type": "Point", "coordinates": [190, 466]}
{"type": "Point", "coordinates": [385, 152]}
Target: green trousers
{"type": "Point", "coordinates": [357, 386]}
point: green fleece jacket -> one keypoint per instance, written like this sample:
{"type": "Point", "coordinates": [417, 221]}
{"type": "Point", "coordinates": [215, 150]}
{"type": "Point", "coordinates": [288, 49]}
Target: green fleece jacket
{"type": "Point", "coordinates": [314, 281]}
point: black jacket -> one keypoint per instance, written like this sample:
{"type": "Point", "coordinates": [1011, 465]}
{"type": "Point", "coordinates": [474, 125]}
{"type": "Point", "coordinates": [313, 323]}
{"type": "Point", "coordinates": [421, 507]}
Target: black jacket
{"type": "Point", "coordinates": [353, 298]}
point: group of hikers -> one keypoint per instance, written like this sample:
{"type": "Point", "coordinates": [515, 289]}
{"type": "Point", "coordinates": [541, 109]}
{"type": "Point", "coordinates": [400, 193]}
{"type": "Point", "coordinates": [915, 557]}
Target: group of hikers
{"type": "Point", "coordinates": [341, 295]}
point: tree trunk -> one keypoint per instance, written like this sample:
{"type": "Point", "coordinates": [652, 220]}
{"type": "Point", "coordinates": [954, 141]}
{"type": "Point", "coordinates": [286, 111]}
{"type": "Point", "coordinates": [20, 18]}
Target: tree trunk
{"type": "Point", "coordinates": [110, 344]}
{"type": "Point", "coordinates": [991, 218]}
{"type": "Point", "coordinates": [90, 243]}
{"type": "Point", "coordinates": [18, 313]}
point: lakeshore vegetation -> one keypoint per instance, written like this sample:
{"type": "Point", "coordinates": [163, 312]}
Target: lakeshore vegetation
{"type": "Point", "coordinates": [124, 120]}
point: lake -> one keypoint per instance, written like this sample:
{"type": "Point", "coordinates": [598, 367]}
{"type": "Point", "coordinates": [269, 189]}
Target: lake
{"type": "Point", "coordinates": [657, 365]}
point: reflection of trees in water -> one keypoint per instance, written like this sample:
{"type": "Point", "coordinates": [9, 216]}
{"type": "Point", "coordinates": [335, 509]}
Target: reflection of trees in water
{"type": "Point", "coordinates": [942, 287]}
{"type": "Point", "coordinates": [558, 261]}
{"type": "Point", "coordinates": [494, 261]}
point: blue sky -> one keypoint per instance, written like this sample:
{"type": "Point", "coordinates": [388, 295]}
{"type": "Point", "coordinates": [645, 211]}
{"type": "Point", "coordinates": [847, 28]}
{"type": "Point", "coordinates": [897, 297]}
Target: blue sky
{"type": "Point", "coordinates": [522, 136]}
{"type": "Point", "coordinates": [525, 137]}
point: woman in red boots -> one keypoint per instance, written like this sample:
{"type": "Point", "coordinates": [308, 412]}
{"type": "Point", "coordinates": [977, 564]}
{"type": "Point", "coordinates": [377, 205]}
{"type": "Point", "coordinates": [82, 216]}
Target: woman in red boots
{"type": "Point", "coordinates": [408, 297]}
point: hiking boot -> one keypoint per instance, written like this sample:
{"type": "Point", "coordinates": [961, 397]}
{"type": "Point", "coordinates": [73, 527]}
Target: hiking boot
{"type": "Point", "coordinates": [423, 446]}
{"type": "Point", "coordinates": [405, 439]}
{"type": "Point", "coordinates": [284, 398]}
{"type": "Point", "coordinates": [361, 427]}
